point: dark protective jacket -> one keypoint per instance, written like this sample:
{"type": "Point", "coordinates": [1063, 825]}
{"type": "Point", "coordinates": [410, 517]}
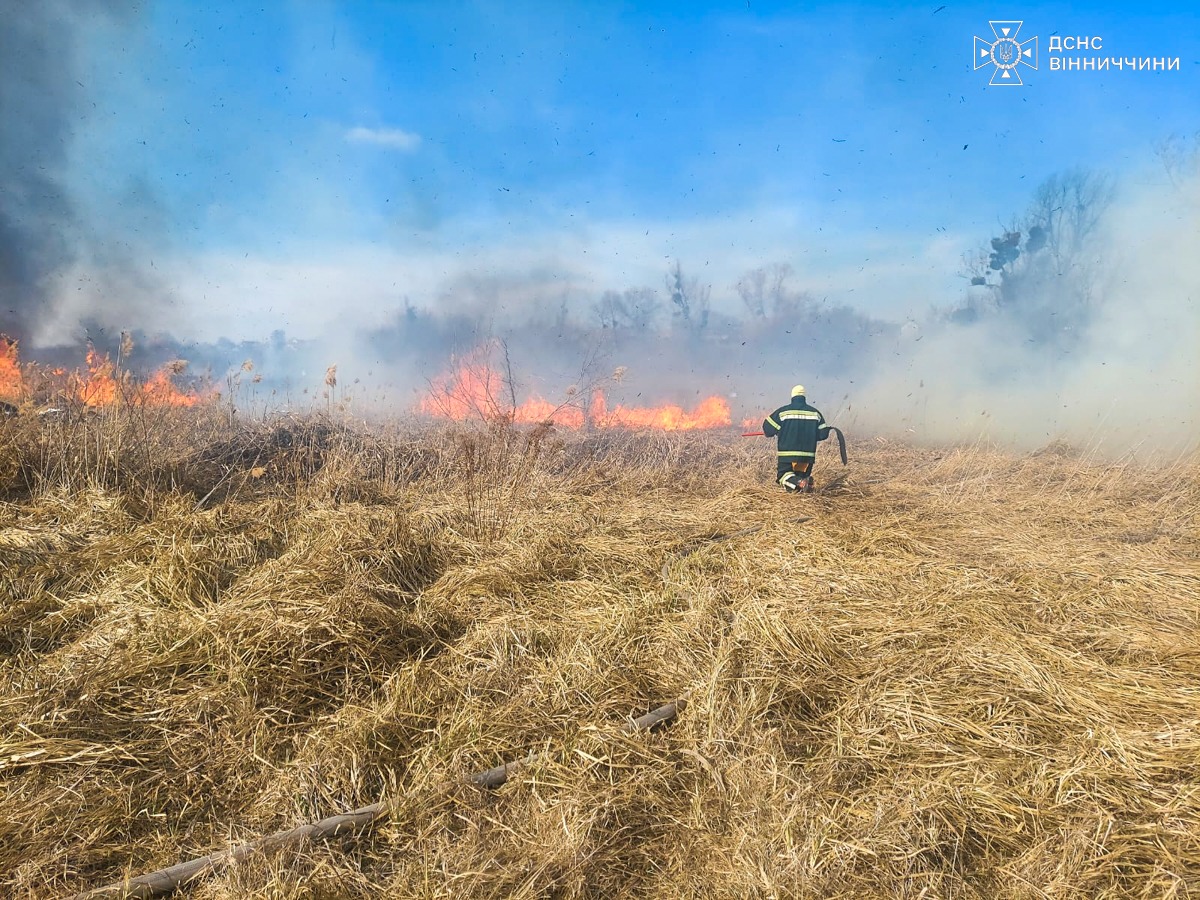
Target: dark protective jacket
{"type": "Point", "coordinates": [799, 427]}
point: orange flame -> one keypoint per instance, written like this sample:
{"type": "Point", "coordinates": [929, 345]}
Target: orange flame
{"type": "Point", "coordinates": [101, 384]}
{"type": "Point", "coordinates": [475, 391]}
{"type": "Point", "coordinates": [470, 391]}
{"type": "Point", "coordinates": [712, 412]}
{"type": "Point", "coordinates": [99, 387]}
{"type": "Point", "coordinates": [104, 385]}
{"type": "Point", "coordinates": [11, 384]}
{"type": "Point", "coordinates": [160, 390]}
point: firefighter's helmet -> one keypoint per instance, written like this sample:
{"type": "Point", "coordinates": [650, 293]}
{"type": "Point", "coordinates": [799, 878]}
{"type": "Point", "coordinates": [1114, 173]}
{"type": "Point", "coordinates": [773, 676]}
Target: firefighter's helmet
{"type": "Point", "coordinates": [798, 391]}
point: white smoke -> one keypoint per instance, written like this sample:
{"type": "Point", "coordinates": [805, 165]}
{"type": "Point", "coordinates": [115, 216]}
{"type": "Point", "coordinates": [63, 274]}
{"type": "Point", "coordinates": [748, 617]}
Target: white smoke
{"type": "Point", "coordinates": [1130, 384]}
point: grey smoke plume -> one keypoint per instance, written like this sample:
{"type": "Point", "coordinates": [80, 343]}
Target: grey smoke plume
{"type": "Point", "coordinates": [44, 230]}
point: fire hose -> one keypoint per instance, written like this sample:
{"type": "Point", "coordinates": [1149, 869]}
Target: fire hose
{"type": "Point", "coordinates": [165, 881]}
{"type": "Point", "coordinates": [841, 441]}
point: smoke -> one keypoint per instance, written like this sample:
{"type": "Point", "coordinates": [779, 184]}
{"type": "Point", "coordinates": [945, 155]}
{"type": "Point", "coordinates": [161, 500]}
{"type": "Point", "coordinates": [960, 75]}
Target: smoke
{"type": "Point", "coordinates": [574, 302]}
{"type": "Point", "coordinates": [1116, 374]}
{"type": "Point", "coordinates": [1126, 380]}
{"type": "Point", "coordinates": [55, 250]}
{"type": "Point", "coordinates": [679, 341]}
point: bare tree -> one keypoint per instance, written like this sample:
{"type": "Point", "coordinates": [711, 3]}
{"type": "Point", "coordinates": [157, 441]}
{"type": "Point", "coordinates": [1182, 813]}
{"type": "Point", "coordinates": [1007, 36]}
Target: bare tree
{"type": "Point", "coordinates": [609, 310]}
{"type": "Point", "coordinates": [1067, 209]}
{"type": "Point", "coordinates": [642, 308]}
{"type": "Point", "coordinates": [1043, 268]}
{"type": "Point", "coordinates": [1180, 157]}
{"type": "Point", "coordinates": [975, 267]}
{"type": "Point", "coordinates": [752, 289]}
{"type": "Point", "coordinates": [636, 309]}
{"type": "Point", "coordinates": [690, 298]}
{"type": "Point", "coordinates": [764, 291]}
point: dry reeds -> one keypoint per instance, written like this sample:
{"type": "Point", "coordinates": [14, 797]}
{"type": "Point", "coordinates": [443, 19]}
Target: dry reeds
{"type": "Point", "coordinates": [955, 673]}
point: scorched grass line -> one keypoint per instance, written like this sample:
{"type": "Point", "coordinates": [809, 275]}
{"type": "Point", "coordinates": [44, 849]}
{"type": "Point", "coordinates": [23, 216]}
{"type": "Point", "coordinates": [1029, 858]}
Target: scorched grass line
{"type": "Point", "coordinates": [170, 879]}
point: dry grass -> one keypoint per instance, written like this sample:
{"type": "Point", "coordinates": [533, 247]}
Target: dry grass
{"type": "Point", "coordinates": [967, 674]}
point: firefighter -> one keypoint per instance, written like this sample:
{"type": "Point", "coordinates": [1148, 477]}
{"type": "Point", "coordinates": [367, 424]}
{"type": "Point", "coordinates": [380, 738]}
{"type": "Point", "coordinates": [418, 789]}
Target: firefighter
{"type": "Point", "coordinates": [799, 428]}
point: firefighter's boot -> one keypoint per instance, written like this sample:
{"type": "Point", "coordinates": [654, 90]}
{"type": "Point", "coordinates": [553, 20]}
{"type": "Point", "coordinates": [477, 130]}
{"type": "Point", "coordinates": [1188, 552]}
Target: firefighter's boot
{"type": "Point", "coordinates": [803, 478]}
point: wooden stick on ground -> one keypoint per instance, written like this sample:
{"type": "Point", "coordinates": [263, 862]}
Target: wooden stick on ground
{"type": "Point", "coordinates": [167, 880]}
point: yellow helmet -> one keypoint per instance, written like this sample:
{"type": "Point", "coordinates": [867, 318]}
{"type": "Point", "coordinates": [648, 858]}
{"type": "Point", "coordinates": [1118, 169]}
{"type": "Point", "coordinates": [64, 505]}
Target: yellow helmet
{"type": "Point", "coordinates": [798, 391]}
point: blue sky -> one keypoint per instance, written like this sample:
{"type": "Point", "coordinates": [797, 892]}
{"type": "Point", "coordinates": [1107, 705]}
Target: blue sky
{"type": "Point", "coordinates": [395, 147]}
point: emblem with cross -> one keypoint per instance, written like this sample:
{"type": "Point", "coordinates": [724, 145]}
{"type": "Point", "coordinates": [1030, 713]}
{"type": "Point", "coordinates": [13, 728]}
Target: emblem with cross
{"type": "Point", "coordinates": [1005, 52]}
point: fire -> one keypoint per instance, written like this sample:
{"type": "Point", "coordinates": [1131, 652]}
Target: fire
{"type": "Point", "coordinates": [101, 383]}
{"type": "Point", "coordinates": [469, 392]}
{"type": "Point", "coordinates": [99, 386]}
{"type": "Point", "coordinates": [712, 412]}
{"type": "Point", "coordinates": [11, 385]}
{"type": "Point", "coordinates": [538, 410]}
{"type": "Point", "coordinates": [476, 391]}
{"type": "Point", "coordinates": [104, 385]}
{"type": "Point", "coordinates": [160, 390]}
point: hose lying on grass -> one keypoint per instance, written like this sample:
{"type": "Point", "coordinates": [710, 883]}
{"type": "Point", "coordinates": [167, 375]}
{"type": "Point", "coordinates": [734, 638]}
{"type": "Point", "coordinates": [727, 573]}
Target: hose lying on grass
{"type": "Point", "coordinates": [167, 880]}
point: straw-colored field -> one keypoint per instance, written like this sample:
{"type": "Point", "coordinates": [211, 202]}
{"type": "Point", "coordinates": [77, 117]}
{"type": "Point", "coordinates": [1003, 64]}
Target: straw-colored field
{"type": "Point", "coordinates": [959, 674]}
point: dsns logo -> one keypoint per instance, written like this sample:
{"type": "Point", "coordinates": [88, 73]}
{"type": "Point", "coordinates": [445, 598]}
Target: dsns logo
{"type": "Point", "coordinates": [1005, 53]}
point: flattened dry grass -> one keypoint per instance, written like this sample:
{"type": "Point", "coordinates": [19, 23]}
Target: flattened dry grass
{"type": "Point", "coordinates": [954, 673]}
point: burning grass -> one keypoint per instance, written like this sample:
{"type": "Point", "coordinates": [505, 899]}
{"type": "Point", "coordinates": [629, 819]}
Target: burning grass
{"type": "Point", "coordinates": [964, 673]}
{"type": "Point", "coordinates": [476, 390]}
{"type": "Point", "coordinates": [103, 383]}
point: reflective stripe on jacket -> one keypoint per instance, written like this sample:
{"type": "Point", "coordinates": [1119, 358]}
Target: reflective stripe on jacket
{"type": "Point", "coordinates": [799, 427]}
